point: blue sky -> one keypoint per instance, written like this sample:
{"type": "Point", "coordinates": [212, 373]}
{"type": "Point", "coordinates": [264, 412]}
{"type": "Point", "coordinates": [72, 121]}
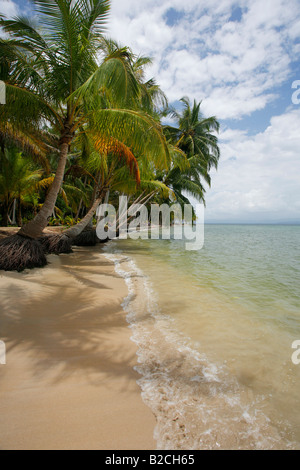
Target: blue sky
{"type": "Point", "coordinates": [240, 59]}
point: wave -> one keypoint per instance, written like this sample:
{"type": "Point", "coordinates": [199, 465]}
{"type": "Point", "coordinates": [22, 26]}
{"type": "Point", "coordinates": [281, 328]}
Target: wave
{"type": "Point", "coordinates": [197, 404]}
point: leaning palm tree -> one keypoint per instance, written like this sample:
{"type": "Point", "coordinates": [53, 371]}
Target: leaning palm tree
{"type": "Point", "coordinates": [115, 155]}
{"type": "Point", "coordinates": [118, 171]}
{"type": "Point", "coordinates": [148, 101]}
{"type": "Point", "coordinates": [52, 74]}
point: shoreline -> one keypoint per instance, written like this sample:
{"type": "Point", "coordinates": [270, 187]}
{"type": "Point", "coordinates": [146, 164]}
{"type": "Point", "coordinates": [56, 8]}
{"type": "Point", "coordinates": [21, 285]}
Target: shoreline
{"type": "Point", "coordinates": [69, 381]}
{"type": "Point", "coordinates": [199, 401]}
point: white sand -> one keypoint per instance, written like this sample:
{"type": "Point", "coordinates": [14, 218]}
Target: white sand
{"type": "Point", "coordinates": [69, 381]}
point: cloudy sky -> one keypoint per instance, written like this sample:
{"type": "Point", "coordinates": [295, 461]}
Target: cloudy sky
{"type": "Point", "coordinates": [241, 58]}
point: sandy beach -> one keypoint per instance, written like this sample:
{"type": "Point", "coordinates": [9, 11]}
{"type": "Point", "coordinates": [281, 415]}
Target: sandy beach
{"type": "Point", "coordinates": [69, 381]}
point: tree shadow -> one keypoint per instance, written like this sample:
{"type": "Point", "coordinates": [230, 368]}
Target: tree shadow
{"type": "Point", "coordinates": [62, 324]}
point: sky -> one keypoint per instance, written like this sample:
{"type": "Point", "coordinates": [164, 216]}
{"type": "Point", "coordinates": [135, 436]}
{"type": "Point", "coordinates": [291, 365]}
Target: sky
{"type": "Point", "coordinates": [241, 59]}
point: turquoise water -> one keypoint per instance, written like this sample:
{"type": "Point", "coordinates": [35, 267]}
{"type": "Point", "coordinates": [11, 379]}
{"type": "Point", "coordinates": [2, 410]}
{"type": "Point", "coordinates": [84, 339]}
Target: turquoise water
{"type": "Point", "coordinates": [218, 327]}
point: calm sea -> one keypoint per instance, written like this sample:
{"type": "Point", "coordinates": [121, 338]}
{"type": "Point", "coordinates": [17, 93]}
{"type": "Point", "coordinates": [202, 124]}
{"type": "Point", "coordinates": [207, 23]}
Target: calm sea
{"type": "Point", "coordinates": [215, 329]}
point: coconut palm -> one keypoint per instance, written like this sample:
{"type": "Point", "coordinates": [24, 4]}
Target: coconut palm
{"type": "Point", "coordinates": [116, 172]}
{"type": "Point", "coordinates": [153, 99]}
{"type": "Point", "coordinates": [149, 100]}
{"type": "Point", "coordinates": [195, 136]}
{"type": "Point", "coordinates": [52, 74]}
{"type": "Point", "coordinates": [114, 155]}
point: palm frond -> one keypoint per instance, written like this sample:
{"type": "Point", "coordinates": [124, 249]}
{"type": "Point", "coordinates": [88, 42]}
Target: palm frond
{"type": "Point", "coordinates": [29, 142]}
{"type": "Point", "coordinates": [121, 151]}
{"type": "Point", "coordinates": [137, 130]}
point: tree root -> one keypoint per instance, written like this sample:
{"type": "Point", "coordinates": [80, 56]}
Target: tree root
{"type": "Point", "coordinates": [18, 253]}
{"type": "Point", "coordinates": [57, 244]}
{"type": "Point", "coordinates": [86, 238]}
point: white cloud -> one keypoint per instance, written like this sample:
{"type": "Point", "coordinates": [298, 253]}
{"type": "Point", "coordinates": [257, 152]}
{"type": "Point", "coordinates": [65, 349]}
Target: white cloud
{"type": "Point", "coordinates": [8, 8]}
{"type": "Point", "coordinates": [259, 177]}
{"type": "Point", "coordinates": [234, 67]}
{"type": "Point", "coordinates": [205, 56]}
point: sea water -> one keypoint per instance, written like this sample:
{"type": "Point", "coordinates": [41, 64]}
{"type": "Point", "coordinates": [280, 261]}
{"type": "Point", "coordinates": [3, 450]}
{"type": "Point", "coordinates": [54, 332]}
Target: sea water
{"type": "Point", "coordinates": [214, 330]}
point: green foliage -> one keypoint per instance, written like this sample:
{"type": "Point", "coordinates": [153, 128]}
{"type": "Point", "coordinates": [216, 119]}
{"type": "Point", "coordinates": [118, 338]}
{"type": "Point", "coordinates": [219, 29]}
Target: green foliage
{"type": "Point", "coordinates": [66, 82]}
{"type": "Point", "coordinates": [67, 221]}
{"type": "Point", "coordinates": [195, 135]}
{"type": "Point", "coordinates": [18, 179]}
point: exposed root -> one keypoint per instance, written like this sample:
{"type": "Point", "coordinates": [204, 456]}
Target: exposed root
{"type": "Point", "coordinates": [57, 244]}
{"type": "Point", "coordinates": [86, 238]}
{"type": "Point", "coordinates": [18, 253]}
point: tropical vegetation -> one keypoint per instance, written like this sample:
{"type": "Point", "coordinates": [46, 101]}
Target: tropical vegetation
{"type": "Point", "coordinates": [83, 124]}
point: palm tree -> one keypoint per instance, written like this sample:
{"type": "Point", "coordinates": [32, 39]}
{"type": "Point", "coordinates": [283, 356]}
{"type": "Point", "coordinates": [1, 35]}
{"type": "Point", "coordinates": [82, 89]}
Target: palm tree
{"type": "Point", "coordinates": [113, 171]}
{"type": "Point", "coordinates": [52, 74]}
{"type": "Point", "coordinates": [115, 155]}
{"type": "Point", "coordinates": [195, 136]}
{"type": "Point", "coordinates": [18, 179]}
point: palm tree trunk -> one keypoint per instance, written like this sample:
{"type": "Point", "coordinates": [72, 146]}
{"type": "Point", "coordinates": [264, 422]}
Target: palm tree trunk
{"type": "Point", "coordinates": [57, 244]}
{"type": "Point", "coordinates": [14, 222]}
{"type": "Point", "coordinates": [83, 234]}
{"type": "Point", "coordinates": [34, 229]}
{"type": "Point", "coordinates": [19, 213]}
{"type": "Point", "coordinates": [75, 231]}
{"type": "Point", "coordinates": [79, 209]}
{"type": "Point", "coordinates": [23, 250]}
{"type": "Point", "coordinates": [140, 200]}
{"type": "Point", "coordinates": [81, 200]}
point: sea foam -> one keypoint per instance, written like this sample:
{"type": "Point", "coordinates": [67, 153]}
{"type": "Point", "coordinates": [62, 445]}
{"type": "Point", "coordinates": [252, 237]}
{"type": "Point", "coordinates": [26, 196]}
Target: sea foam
{"type": "Point", "coordinates": [197, 404]}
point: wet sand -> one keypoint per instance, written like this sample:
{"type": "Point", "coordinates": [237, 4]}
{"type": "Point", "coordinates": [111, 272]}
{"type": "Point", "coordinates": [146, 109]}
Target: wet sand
{"type": "Point", "coordinates": [69, 381]}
